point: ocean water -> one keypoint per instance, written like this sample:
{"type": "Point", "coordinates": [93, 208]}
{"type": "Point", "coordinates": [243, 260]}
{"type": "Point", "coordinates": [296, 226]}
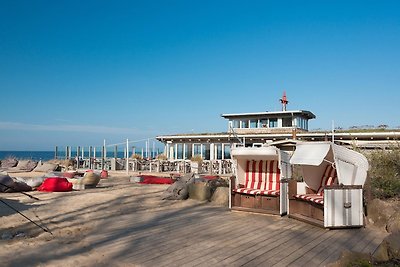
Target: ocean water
{"type": "Point", "coordinates": [33, 155]}
{"type": "Point", "coordinates": [49, 155]}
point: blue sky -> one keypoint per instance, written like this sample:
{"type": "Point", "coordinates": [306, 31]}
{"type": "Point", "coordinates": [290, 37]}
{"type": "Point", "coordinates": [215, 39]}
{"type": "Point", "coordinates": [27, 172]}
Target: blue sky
{"type": "Point", "coordinates": [78, 72]}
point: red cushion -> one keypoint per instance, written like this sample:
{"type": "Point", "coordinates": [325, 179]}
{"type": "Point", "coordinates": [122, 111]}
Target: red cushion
{"type": "Point", "coordinates": [251, 191]}
{"type": "Point", "coordinates": [149, 179]}
{"type": "Point", "coordinates": [312, 198]}
{"type": "Point", "coordinates": [210, 177]}
{"type": "Point", "coordinates": [329, 178]}
{"type": "Point", "coordinates": [248, 191]}
{"type": "Point", "coordinates": [55, 184]}
{"type": "Point", "coordinates": [263, 175]}
{"type": "Point", "coordinates": [270, 192]}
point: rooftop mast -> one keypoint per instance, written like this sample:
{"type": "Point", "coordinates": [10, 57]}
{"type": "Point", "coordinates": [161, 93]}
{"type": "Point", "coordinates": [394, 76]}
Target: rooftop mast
{"type": "Point", "coordinates": [284, 101]}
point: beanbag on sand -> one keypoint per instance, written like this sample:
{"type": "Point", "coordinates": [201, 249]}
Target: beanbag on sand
{"type": "Point", "coordinates": [55, 184]}
{"type": "Point", "coordinates": [149, 179]}
{"type": "Point", "coordinates": [90, 179]}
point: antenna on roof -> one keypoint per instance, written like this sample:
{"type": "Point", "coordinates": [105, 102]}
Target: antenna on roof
{"type": "Point", "coordinates": [284, 101]}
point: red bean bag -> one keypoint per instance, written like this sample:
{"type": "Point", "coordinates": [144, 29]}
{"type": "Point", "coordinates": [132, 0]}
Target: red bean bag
{"type": "Point", "coordinates": [55, 184]}
{"type": "Point", "coordinates": [210, 177]}
{"type": "Point", "coordinates": [149, 179]}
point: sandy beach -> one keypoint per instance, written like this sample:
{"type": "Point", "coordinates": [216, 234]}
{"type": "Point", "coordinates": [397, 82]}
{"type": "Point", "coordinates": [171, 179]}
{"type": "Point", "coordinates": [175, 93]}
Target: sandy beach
{"type": "Point", "coordinates": [79, 222]}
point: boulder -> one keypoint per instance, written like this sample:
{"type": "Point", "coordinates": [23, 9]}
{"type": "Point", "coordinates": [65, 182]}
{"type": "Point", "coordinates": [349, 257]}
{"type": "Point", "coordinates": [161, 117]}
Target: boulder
{"type": "Point", "coordinates": [179, 189]}
{"type": "Point", "coordinates": [393, 224]}
{"type": "Point", "coordinates": [393, 245]}
{"type": "Point", "coordinates": [379, 212]}
{"type": "Point", "coordinates": [381, 254]}
{"type": "Point", "coordinates": [200, 191]}
{"type": "Point", "coordinates": [221, 196]}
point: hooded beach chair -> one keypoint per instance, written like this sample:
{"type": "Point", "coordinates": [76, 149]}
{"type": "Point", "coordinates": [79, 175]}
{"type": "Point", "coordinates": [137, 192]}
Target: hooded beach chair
{"type": "Point", "coordinates": [332, 192]}
{"type": "Point", "coordinates": [261, 180]}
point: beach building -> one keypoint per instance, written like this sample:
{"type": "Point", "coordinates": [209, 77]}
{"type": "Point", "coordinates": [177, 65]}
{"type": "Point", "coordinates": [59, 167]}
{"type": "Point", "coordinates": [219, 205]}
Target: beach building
{"type": "Point", "coordinates": [283, 128]}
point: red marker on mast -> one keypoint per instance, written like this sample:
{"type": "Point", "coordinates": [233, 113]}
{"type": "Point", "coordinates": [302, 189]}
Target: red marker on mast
{"type": "Point", "coordinates": [284, 101]}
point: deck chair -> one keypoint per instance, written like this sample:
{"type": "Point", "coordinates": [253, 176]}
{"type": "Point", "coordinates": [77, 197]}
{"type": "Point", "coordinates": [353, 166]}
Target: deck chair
{"type": "Point", "coordinates": [261, 180]}
{"type": "Point", "coordinates": [331, 194]}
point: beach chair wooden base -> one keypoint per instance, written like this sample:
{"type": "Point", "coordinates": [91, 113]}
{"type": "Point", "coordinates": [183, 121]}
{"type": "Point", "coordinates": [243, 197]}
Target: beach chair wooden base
{"type": "Point", "coordinates": [306, 211]}
{"type": "Point", "coordinates": [255, 203]}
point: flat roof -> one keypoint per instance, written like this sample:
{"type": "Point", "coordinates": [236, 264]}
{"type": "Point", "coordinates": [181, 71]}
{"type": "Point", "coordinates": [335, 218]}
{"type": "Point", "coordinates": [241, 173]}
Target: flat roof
{"type": "Point", "coordinates": [306, 113]}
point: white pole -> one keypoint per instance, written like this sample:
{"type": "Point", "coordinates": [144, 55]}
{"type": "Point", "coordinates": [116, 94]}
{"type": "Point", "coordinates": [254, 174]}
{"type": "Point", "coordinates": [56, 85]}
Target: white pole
{"type": "Point", "coordinates": [147, 151]}
{"type": "Point", "coordinates": [127, 156]}
{"type": "Point", "coordinates": [105, 149]}
{"type": "Point", "coordinates": [333, 131]}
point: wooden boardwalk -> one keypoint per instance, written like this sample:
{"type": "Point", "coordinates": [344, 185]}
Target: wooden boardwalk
{"type": "Point", "coordinates": [132, 226]}
{"type": "Point", "coordinates": [213, 236]}
{"type": "Point", "coordinates": [200, 234]}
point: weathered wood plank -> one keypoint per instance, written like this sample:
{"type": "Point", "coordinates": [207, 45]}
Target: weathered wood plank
{"type": "Point", "coordinates": [296, 254]}
{"type": "Point", "coordinates": [168, 241]}
{"type": "Point", "coordinates": [214, 240]}
{"type": "Point", "coordinates": [355, 236]}
{"type": "Point", "coordinates": [260, 248]}
{"type": "Point", "coordinates": [277, 253]}
{"type": "Point", "coordinates": [241, 242]}
{"type": "Point", "coordinates": [317, 249]}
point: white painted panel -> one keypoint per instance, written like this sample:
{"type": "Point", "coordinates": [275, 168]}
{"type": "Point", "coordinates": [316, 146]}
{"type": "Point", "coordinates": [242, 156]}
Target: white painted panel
{"type": "Point", "coordinates": [343, 207]}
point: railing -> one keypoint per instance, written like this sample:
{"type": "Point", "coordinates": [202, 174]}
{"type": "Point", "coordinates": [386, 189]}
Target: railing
{"type": "Point", "coordinates": [178, 166]}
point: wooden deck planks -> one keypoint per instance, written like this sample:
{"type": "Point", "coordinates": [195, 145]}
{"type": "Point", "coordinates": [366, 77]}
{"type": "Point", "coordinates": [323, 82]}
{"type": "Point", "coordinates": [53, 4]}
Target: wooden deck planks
{"type": "Point", "coordinates": [261, 248]}
{"type": "Point", "coordinates": [206, 235]}
{"type": "Point", "coordinates": [237, 243]}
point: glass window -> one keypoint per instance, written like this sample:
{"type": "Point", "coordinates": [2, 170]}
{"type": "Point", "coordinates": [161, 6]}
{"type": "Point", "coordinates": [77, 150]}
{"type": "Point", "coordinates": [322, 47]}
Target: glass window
{"type": "Point", "coordinates": [263, 123]}
{"type": "Point", "coordinates": [253, 123]}
{"type": "Point", "coordinates": [206, 151]}
{"type": "Point", "coordinates": [235, 124]}
{"type": "Point", "coordinates": [273, 123]}
{"type": "Point", "coordinates": [179, 151]}
{"type": "Point", "coordinates": [245, 124]}
{"type": "Point", "coordinates": [219, 151]}
{"type": "Point", "coordinates": [287, 122]}
{"type": "Point", "coordinates": [188, 151]}
{"type": "Point", "coordinates": [196, 149]}
{"type": "Point", "coordinates": [227, 151]}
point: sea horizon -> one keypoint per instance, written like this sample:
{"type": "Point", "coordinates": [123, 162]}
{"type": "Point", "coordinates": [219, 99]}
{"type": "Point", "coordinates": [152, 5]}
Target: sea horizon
{"type": "Point", "coordinates": [50, 155]}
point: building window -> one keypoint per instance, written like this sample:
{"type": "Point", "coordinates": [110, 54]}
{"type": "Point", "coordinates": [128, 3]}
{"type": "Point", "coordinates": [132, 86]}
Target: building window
{"type": "Point", "coordinates": [287, 122]}
{"type": "Point", "coordinates": [245, 124]}
{"type": "Point", "coordinates": [179, 151]}
{"type": "Point", "coordinates": [273, 123]}
{"type": "Point", "coordinates": [235, 124]}
{"type": "Point", "coordinates": [219, 151]}
{"type": "Point", "coordinates": [196, 149]}
{"type": "Point", "coordinates": [188, 151]}
{"type": "Point", "coordinates": [263, 123]}
{"type": "Point", "coordinates": [253, 123]}
{"type": "Point", "coordinates": [206, 151]}
{"type": "Point", "coordinates": [227, 151]}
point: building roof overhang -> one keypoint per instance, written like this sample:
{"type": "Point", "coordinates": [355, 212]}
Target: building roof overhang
{"type": "Point", "coordinates": [306, 113]}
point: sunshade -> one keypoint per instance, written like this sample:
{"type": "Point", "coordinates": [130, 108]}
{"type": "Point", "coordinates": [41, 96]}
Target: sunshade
{"type": "Point", "coordinates": [310, 153]}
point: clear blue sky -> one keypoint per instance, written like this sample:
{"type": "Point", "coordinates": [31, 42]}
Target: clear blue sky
{"type": "Point", "coordinates": [77, 72]}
